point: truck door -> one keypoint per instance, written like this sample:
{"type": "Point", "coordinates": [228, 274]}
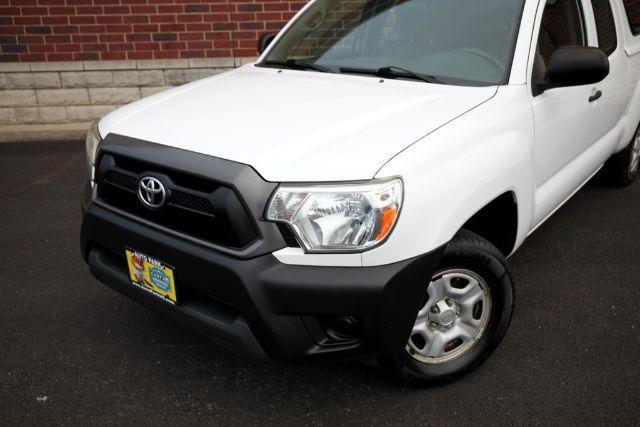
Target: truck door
{"type": "Point", "coordinates": [613, 88]}
{"type": "Point", "coordinates": [566, 119]}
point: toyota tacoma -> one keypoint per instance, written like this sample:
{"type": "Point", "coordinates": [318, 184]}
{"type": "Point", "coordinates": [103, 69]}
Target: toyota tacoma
{"type": "Point", "coordinates": [357, 190]}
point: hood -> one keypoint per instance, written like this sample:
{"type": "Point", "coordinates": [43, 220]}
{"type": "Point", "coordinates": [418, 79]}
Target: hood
{"type": "Point", "coordinates": [294, 125]}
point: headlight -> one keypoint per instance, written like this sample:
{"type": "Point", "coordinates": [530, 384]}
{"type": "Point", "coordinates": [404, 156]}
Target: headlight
{"type": "Point", "coordinates": [92, 144]}
{"type": "Point", "coordinates": [338, 218]}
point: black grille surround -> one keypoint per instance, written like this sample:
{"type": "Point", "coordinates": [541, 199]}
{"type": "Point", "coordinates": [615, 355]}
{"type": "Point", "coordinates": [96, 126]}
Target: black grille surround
{"type": "Point", "coordinates": [214, 202]}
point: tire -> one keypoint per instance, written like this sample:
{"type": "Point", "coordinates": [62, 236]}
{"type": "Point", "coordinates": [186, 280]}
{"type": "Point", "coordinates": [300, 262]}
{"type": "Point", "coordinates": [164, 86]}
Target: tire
{"type": "Point", "coordinates": [467, 257]}
{"type": "Point", "coordinates": [622, 168]}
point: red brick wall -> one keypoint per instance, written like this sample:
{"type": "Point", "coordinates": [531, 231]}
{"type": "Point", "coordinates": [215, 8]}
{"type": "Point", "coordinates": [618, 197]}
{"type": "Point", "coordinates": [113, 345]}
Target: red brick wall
{"type": "Point", "coordinates": [76, 30]}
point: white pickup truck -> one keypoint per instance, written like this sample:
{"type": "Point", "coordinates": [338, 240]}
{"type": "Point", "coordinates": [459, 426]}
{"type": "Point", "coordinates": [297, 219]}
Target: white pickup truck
{"type": "Point", "coordinates": [358, 189]}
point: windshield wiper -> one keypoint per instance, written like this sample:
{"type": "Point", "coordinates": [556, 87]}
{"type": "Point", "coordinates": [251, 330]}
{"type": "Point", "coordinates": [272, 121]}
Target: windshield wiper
{"type": "Point", "coordinates": [392, 71]}
{"type": "Point", "coordinates": [297, 64]}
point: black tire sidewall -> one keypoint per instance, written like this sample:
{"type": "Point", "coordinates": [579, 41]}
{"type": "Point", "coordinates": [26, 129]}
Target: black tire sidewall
{"type": "Point", "coordinates": [631, 176]}
{"type": "Point", "coordinates": [617, 167]}
{"type": "Point", "coordinates": [489, 265]}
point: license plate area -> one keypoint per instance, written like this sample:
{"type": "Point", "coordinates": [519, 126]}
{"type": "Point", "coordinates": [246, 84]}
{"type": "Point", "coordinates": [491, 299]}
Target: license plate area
{"type": "Point", "coordinates": [152, 276]}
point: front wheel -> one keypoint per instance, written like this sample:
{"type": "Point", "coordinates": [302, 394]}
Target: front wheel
{"type": "Point", "coordinates": [465, 314]}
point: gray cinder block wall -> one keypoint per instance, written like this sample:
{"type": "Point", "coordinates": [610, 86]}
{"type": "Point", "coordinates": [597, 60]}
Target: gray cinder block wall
{"type": "Point", "coordinates": [78, 92]}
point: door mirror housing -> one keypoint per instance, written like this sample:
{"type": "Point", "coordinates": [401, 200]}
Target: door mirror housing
{"type": "Point", "coordinates": [575, 66]}
{"type": "Point", "coordinates": [264, 42]}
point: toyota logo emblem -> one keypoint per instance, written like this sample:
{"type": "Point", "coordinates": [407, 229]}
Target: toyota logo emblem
{"type": "Point", "coordinates": [151, 192]}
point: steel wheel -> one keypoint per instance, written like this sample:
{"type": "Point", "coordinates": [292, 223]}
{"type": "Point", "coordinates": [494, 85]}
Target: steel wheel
{"type": "Point", "coordinates": [466, 314]}
{"type": "Point", "coordinates": [453, 318]}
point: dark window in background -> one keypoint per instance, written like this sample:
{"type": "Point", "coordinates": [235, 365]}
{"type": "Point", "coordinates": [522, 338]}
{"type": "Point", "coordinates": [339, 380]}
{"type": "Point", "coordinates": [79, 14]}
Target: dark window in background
{"type": "Point", "coordinates": [605, 24]}
{"type": "Point", "coordinates": [633, 13]}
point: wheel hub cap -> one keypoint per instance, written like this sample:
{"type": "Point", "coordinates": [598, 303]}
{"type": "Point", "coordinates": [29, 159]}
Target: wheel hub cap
{"type": "Point", "coordinates": [443, 313]}
{"type": "Point", "coordinates": [453, 318]}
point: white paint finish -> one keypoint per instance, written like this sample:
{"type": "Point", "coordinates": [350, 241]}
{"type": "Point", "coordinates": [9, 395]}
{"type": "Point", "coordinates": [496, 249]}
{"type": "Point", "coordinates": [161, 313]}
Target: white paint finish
{"type": "Point", "coordinates": [296, 125]}
{"type": "Point", "coordinates": [557, 144]}
{"type": "Point", "coordinates": [456, 148]}
{"type": "Point", "coordinates": [556, 190]}
{"type": "Point", "coordinates": [631, 42]}
{"type": "Point", "coordinates": [631, 45]}
{"type": "Point", "coordinates": [519, 67]}
{"type": "Point", "coordinates": [633, 50]}
{"type": "Point", "coordinates": [590, 22]}
{"type": "Point", "coordinates": [457, 170]}
{"type": "Point", "coordinates": [614, 87]}
{"type": "Point", "coordinates": [586, 181]}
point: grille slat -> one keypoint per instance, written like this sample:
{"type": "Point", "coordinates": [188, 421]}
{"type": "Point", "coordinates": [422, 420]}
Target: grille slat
{"type": "Point", "coordinates": [126, 182]}
{"type": "Point", "coordinates": [191, 202]}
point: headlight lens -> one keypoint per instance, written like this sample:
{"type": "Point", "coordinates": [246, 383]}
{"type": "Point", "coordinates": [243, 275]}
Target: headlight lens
{"type": "Point", "coordinates": [92, 144]}
{"type": "Point", "coordinates": [338, 218]}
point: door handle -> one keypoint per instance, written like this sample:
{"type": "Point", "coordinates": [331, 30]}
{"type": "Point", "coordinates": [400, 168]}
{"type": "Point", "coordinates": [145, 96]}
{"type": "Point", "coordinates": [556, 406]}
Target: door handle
{"type": "Point", "coordinates": [597, 94]}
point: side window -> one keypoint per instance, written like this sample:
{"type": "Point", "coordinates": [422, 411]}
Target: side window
{"type": "Point", "coordinates": [562, 25]}
{"type": "Point", "coordinates": [605, 24]}
{"type": "Point", "coordinates": [633, 13]}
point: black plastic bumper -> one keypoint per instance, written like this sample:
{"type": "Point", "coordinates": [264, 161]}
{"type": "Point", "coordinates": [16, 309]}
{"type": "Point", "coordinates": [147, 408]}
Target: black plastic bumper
{"type": "Point", "coordinates": [259, 306]}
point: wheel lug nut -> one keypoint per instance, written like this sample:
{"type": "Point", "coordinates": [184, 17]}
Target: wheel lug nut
{"type": "Point", "coordinates": [435, 309]}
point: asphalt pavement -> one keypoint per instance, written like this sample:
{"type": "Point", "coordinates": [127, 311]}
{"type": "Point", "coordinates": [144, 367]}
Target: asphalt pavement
{"type": "Point", "coordinates": [73, 351]}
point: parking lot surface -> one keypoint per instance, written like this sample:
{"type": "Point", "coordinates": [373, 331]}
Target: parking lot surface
{"type": "Point", "coordinates": [74, 351]}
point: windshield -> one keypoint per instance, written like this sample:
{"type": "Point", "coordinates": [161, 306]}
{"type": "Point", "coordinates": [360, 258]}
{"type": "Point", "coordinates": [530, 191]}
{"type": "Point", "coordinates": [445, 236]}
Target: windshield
{"type": "Point", "coordinates": [453, 41]}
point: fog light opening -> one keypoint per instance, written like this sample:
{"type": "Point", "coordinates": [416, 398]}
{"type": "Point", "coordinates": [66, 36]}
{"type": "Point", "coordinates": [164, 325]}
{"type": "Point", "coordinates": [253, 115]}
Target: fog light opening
{"type": "Point", "coordinates": [342, 328]}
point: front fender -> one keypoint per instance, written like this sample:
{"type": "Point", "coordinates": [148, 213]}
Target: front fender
{"type": "Point", "coordinates": [457, 170]}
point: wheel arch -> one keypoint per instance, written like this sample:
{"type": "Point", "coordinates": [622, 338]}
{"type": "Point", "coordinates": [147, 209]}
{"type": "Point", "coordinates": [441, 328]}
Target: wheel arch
{"type": "Point", "coordinates": [497, 222]}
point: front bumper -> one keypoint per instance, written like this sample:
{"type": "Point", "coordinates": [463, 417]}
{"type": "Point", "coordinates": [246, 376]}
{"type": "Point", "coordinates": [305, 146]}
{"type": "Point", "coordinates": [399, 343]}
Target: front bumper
{"type": "Point", "coordinates": [259, 306]}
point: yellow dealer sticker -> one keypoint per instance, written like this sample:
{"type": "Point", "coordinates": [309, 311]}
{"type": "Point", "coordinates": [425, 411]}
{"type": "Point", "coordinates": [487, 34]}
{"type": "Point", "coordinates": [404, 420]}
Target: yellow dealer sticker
{"type": "Point", "coordinates": [152, 276]}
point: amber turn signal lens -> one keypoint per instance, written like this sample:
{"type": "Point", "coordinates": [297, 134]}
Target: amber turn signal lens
{"type": "Point", "coordinates": [387, 220]}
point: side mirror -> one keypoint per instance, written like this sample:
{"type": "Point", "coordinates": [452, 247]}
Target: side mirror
{"type": "Point", "coordinates": [576, 66]}
{"type": "Point", "coordinates": [264, 42]}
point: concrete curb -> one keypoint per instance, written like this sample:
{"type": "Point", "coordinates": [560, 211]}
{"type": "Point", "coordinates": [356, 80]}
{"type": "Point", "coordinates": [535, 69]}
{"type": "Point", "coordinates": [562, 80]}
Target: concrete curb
{"type": "Point", "coordinates": [48, 132]}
